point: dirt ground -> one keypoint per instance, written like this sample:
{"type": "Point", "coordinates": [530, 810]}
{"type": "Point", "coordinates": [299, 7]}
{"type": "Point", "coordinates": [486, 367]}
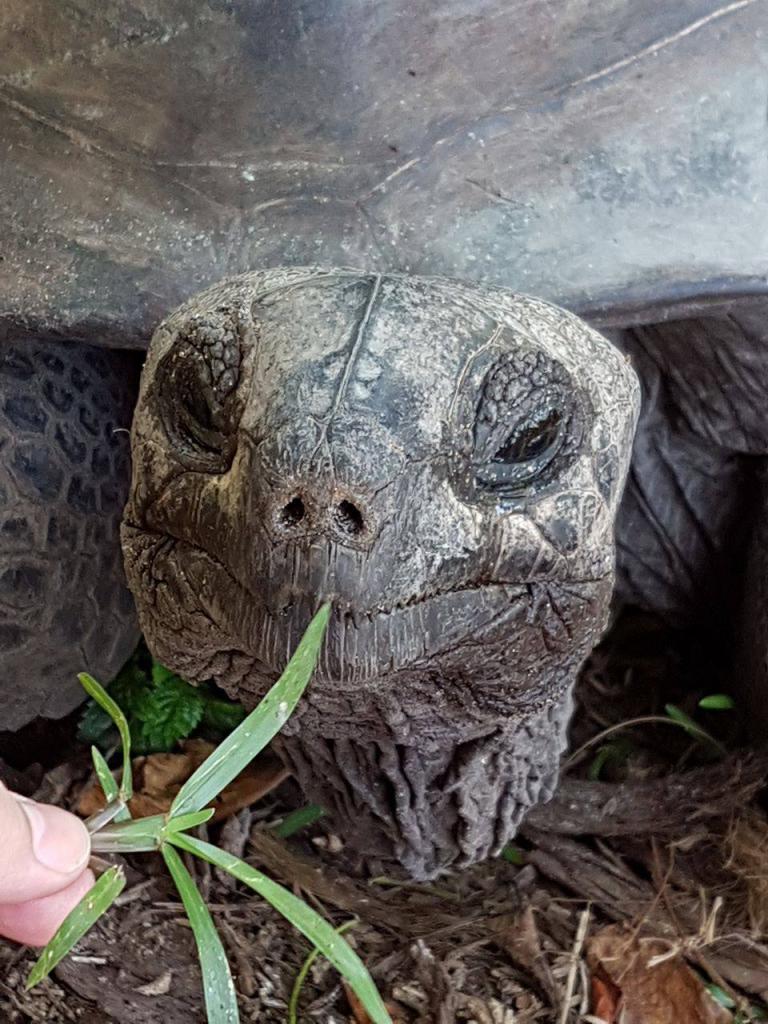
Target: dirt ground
{"type": "Point", "coordinates": [639, 898]}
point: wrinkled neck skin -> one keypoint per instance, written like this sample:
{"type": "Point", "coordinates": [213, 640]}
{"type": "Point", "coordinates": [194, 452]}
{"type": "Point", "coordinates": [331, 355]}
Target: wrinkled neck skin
{"type": "Point", "coordinates": [441, 462]}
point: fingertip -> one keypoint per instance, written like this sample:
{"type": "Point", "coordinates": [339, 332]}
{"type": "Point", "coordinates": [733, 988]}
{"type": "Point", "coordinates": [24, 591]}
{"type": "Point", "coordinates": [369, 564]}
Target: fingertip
{"type": "Point", "coordinates": [44, 848]}
{"type": "Point", "coordinates": [35, 922]}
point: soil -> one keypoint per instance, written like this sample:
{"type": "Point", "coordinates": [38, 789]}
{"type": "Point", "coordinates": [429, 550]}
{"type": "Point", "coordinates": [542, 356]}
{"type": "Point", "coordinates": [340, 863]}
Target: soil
{"type": "Point", "coordinates": [664, 853]}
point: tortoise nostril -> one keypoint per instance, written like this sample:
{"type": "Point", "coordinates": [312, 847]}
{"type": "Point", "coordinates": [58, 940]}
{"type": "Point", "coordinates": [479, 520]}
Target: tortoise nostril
{"type": "Point", "coordinates": [293, 513]}
{"type": "Point", "coordinates": [349, 518]}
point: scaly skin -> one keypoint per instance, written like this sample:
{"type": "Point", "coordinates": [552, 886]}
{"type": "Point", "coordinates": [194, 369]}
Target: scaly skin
{"type": "Point", "coordinates": [441, 461]}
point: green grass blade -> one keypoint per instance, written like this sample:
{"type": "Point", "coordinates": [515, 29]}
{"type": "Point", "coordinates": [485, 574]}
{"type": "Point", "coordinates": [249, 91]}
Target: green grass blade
{"type": "Point", "coordinates": [140, 836]}
{"type": "Point", "coordinates": [717, 702]}
{"type": "Point", "coordinates": [255, 731]}
{"type": "Point", "coordinates": [691, 727]}
{"type": "Point", "coordinates": [80, 920]}
{"type": "Point", "coordinates": [218, 988]}
{"type": "Point", "coordinates": [304, 918]}
{"type": "Point", "coordinates": [186, 821]}
{"type": "Point", "coordinates": [297, 820]}
{"type": "Point", "coordinates": [96, 822]}
{"type": "Point", "coordinates": [104, 775]}
{"type": "Point", "coordinates": [102, 698]}
{"type": "Point", "coordinates": [108, 783]}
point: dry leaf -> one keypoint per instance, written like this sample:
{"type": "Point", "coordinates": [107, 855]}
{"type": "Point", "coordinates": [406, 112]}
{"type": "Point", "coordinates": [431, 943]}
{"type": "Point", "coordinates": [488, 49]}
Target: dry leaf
{"type": "Point", "coordinates": [359, 1013]}
{"type": "Point", "coordinates": [159, 777]}
{"type": "Point", "coordinates": [519, 937]}
{"type": "Point", "coordinates": [605, 997]}
{"type": "Point", "coordinates": [666, 993]}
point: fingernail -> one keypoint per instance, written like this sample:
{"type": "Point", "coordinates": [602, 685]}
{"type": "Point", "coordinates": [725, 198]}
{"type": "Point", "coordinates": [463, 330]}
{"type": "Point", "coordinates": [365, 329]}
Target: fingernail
{"type": "Point", "coordinates": [60, 841]}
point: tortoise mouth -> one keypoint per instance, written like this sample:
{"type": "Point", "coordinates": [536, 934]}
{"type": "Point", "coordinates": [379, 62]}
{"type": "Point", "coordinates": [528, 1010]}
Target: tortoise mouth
{"type": "Point", "coordinates": [205, 622]}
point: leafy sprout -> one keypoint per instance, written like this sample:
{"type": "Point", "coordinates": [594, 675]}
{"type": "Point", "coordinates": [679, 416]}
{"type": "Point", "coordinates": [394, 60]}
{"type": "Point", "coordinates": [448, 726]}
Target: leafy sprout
{"type": "Point", "coordinates": [160, 707]}
{"type": "Point", "coordinates": [113, 831]}
{"type": "Point", "coordinates": [301, 818]}
{"type": "Point", "coordinates": [674, 716]}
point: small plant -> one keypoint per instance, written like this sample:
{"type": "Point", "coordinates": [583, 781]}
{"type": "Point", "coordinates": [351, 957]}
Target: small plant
{"type": "Point", "coordinates": [673, 716]}
{"type": "Point", "coordinates": [160, 707]}
{"type": "Point", "coordinates": [114, 831]}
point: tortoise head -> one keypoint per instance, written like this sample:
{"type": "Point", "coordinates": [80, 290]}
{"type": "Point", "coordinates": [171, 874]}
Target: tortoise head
{"type": "Point", "coordinates": [441, 461]}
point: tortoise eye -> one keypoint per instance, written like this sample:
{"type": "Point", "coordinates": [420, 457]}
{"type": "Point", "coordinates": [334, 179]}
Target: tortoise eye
{"type": "Point", "coordinates": [198, 392]}
{"type": "Point", "coordinates": [526, 417]}
{"type": "Point", "coordinates": [525, 454]}
{"type": "Point", "coordinates": [532, 441]}
{"type": "Point", "coordinates": [195, 414]}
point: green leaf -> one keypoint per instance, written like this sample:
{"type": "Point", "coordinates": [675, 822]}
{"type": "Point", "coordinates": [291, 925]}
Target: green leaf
{"type": "Point", "coordinates": [301, 916]}
{"type": "Point", "coordinates": [130, 685]}
{"type": "Point", "coordinates": [102, 698]}
{"type": "Point", "coordinates": [717, 702]}
{"type": "Point", "coordinates": [617, 751]}
{"type": "Point", "coordinates": [692, 728]}
{"type": "Point", "coordinates": [140, 836]}
{"type": "Point", "coordinates": [104, 775]}
{"type": "Point", "coordinates": [127, 688]}
{"type": "Point", "coordinates": [297, 820]}
{"type": "Point", "coordinates": [599, 761]}
{"type": "Point", "coordinates": [221, 716]}
{"type": "Point", "coordinates": [219, 991]}
{"type": "Point", "coordinates": [720, 996]}
{"type": "Point", "coordinates": [94, 724]}
{"type": "Point", "coordinates": [186, 821]}
{"type": "Point", "coordinates": [253, 734]}
{"type": "Point", "coordinates": [108, 783]}
{"type": "Point", "coordinates": [169, 712]}
{"type": "Point", "coordinates": [513, 854]}
{"type": "Point", "coordinates": [161, 674]}
{"type": "Point", "coordinates": [80, 920]}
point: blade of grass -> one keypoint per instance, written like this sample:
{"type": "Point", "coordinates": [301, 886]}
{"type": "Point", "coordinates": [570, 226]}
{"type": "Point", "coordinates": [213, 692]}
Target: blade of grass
{"type": "Point", "coordinates": [102, 698]}
{"type": "Point", "coordinates": [105, 816]}
{"type": "Point", "coordinates": [78, 922]}
{"type": "Point", "coordinates": [301, 977]}
{"type": "Point", "coordinates": [104, 775]}
{"type": "Point", "coordinates": [301, 916]}
{"type": "Point", "coordinates": [631, 723]}
{"type": "Point", "coordinates": [109, 787]}
{"type": "Point", "coordinates": [255, 731]}
{"type": "Point", "coordinates": [140, 836]}
{"type": "Point", "coordinates": [297, 820]}
{"type": "Point", "coordinates": [616, 752]}
{"type": "Point", "coordinates": [218, 988]}
{"type": "Point", "coordinates": [187, 821]}
{"type": "Point", "coordinates": [691, 727]}
{"type": "Point", "coordinates": [717, 702]}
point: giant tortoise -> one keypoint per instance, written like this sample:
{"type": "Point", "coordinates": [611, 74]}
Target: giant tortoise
{"type": "Point", "coordinates": [384, 422]}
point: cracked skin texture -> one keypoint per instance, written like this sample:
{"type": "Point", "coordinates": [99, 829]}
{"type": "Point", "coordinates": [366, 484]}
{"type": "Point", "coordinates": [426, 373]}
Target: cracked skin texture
{"type": "Point", "coordinates": [443, 462]}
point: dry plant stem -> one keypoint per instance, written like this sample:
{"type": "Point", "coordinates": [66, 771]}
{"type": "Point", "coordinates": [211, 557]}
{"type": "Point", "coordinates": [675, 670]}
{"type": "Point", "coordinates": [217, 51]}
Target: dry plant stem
{"type": "Point", "coordinates": [293, 1003]}
{"type": "Point", "coordinates": [641, 720]}
{"type": "Point", "coordinates": [578, 944]}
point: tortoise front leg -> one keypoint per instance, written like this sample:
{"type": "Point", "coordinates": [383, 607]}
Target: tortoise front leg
{"type": "Point", "coordinates": [64, 476]}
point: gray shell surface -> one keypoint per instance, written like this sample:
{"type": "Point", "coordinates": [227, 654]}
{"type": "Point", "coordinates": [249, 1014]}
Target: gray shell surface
{"type": "Point", "coordinates": [604, 155]}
